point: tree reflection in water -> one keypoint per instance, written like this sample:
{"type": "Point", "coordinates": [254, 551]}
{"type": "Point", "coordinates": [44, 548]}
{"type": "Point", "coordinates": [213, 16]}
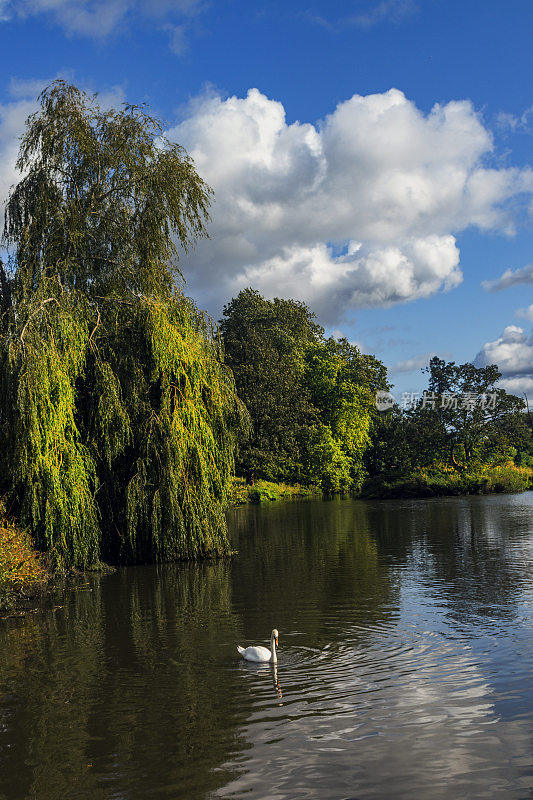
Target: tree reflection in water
{"type": "Point", "coordinates": [402, 642]}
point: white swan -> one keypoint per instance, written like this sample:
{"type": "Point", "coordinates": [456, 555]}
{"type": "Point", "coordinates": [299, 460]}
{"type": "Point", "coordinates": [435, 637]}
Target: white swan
{"type": "Point", "coordinates": [261, 653]}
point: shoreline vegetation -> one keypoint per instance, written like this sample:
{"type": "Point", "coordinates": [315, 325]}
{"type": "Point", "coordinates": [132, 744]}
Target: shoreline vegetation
{"type": "Point", "coordinates": [23, 572]}
{"type": "Point", "coordinates": [118, 416]}
{"type": "Point", "coordinates": [25, 577]}
{"type": "Point", "coordinates": [503, 479]}
{"type": "Point", "coordinates": [262, 491]}
{"type": "Point", "coordinates": [126, 412]}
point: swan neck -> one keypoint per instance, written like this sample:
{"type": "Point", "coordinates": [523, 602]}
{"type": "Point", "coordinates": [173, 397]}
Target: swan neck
{"type": "Point", "coordinates": [274, 654]}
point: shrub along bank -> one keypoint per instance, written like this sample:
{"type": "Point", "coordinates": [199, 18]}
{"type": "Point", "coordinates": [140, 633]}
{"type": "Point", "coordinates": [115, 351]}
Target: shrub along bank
{"type": "Point", "coordinates": [22, 570]}
{"type": "Point", "coordinates": [507, 478]}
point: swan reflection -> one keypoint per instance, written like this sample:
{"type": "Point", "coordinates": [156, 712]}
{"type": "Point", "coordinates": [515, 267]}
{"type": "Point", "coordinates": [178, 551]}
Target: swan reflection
{"type": "Point", "coordinates": [262, 670]}
{"type": "Point", "coordinates": [275, 681]}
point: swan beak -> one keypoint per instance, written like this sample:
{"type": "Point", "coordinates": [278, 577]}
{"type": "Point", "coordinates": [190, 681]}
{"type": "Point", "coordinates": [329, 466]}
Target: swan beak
{"type": "Point", "coordinates": [277, 642]}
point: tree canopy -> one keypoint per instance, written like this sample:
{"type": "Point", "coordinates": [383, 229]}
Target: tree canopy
{"type": "Point", "coordinates": [118, 416]}
{"type": "Point", "coordinates": [311, 399]}
{"type": "Point", "coordinates": [463, 422]}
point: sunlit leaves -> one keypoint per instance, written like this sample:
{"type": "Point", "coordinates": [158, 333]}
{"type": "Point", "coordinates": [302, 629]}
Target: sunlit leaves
{"type": "Point", "coordinates": [118, 417]}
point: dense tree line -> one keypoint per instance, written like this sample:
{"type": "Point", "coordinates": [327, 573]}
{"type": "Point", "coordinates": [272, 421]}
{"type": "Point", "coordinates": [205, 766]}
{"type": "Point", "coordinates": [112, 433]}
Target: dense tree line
{"type": "Point", "coordinates": [312, 402]}
{"type": "Point", "coordinates": [311, 399]}
{"type": "Point", "coordinates": [463, 424]}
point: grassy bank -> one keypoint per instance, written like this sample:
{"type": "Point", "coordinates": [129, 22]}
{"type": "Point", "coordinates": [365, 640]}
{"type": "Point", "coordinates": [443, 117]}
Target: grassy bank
{"type": "Point", "coordinates": [266, 491]}
{"type": "Point", "coordinates": [444, 482]}
{"type": "Point", "coordinates": [22, 571]}
{"type": "Point", "coordinates": [507, 478]}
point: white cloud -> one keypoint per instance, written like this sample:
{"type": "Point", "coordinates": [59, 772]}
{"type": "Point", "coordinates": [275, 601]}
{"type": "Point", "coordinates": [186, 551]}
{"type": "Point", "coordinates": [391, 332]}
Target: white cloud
{"type": "Point", "coordinates": [384, 11]}
{"type": "Point", "coordinates": [99, 18]}
{"type": "Point", "coordinates": [375, 12]}
{"type": "Point", "coordinates": [511, 122]}
{"type": "Point", "coordinates": [178, 39]}
{"type": "Point", "coordinates": [416, 362]}
{"type": "Point", "coordinates": [517, 386]}
{"type": "Point", "coordinates": [382, 277]}
{"type": "Point", "coordinates": [513, 353]}
{"type": "Point", "coordinates": [510, 278]}
{"type": "Point", "coordinates": [357, 210]}
{"type": "Point", "coordinates": [526, 313]}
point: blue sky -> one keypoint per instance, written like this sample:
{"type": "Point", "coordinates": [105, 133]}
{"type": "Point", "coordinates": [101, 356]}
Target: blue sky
{"type": "Point", "coordinates": [384, 215]}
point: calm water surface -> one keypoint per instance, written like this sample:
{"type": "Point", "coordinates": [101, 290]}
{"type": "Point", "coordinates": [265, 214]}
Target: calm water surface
{"type": "Point", "coordinates": [405, 666]}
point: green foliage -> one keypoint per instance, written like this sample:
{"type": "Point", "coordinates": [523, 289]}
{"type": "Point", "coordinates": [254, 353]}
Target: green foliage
{"type": "Point", "coordinates": [462, 447]}
{"type": "Point", "coordinates": [118, 417]}
{"type": "Point", "coordinates": [506, 478]}
{"type": "Point", "coordinates": [265, 344]}
{"type": "Point", "coordinates": [44, 461]}
{"type": "Point", "coordinates": [342, 384]}
{"type": "Point", "coordinates": [325, 462]}
{"type": "Point", "coordinates": [391, 452]}
{"type": "Point", "coordinates": [311, 399]}
{"type": "Point", "coordinates": [103, 198]}
{"type": "Point", "coordinates": [471, 432]}
{"type": "Point", "coordinates": [263, 491]}
{"type": "Point", "coordinates": [509, 478]}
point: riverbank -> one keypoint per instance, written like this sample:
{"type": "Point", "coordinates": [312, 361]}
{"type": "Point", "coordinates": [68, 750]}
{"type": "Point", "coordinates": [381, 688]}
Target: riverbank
{"type": "Point", "coordinates": [506, 479]}
{"type": "Point", "coordinates": [23, 573]}
{"type": "Point", "coordinates": [261, 491]}
{"type": "Point", "coordinates": [24, 576]}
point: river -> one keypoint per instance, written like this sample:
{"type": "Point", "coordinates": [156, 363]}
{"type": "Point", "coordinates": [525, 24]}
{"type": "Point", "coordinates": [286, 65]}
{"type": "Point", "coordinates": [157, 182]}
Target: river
{"type": "Point", "coordinates": [405, 664]}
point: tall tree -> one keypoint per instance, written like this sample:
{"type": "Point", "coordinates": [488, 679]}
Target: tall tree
{"type": "Point", "coordinates": [118, 417]}
{"type": "Point", "coordinates": [343, 382]}
{"type": "Point", "coordinates": [265, 344]}
{"type": "Point", "coordinates": [311, 399]}
{"type": "Point", "coordinates": [463, 421]}
{"type": "Point", "coordinates": [473, 414]}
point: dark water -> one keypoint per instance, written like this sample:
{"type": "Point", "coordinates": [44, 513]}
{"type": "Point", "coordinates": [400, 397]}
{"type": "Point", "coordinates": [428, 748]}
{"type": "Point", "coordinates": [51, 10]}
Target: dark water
{"type": "Point", "coordinates": [405, 667]}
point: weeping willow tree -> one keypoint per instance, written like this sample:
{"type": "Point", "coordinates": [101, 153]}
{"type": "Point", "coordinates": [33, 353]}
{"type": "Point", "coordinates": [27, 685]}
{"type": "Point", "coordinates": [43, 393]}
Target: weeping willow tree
{"type": "Point", "coordinates": [118, 417]}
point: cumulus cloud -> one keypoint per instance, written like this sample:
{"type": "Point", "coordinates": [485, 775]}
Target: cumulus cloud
{"type": "Point", "coordinates": [518, 386]}
{"type": "Point", "coordinates": [99, 18]}
{"type": "Point", "coordinates": [359, 209]}
{"type": "Point", "coordinates": [513, 353]}
{"type": "Point", "coordinates": [510, 278]}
